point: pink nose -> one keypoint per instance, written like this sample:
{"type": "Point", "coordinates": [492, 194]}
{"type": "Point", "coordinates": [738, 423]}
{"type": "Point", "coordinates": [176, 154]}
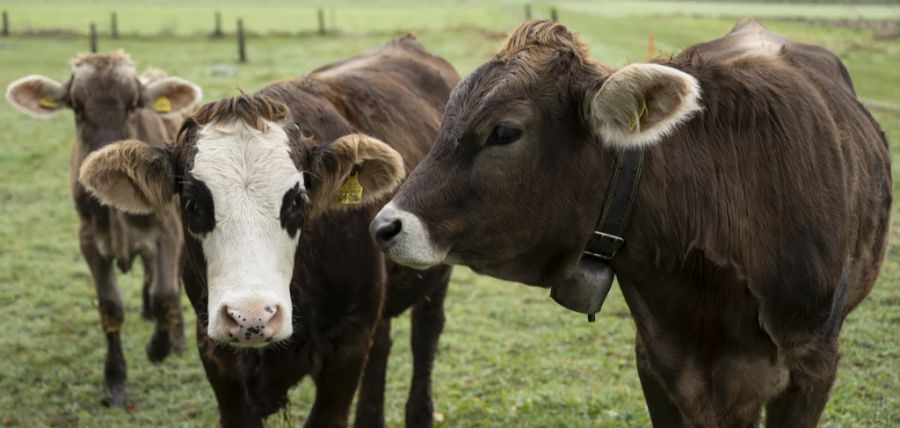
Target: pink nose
{"type": "Point", "coordinates": [253, 324]}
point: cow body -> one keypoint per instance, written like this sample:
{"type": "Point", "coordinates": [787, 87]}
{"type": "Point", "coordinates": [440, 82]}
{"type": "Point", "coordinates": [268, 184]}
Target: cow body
{"type": "Point", "coordinates": [110, 103]}
{"type": "Point", "coordinates": [110, 236]}
{"type": "Point", "coordinates": [743, 308]}
{"type": "Point", "coordinates": [342, 290]}
{"type": "Point", "coordinates": [760, 221]}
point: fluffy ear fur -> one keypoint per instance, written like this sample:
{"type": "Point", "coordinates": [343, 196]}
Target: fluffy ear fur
{"type": "Point", "coordinates": [38, 96]}
{"type": "Point", "coordinates": [641, 104]}
{"type": "Point", "coordinates": [171, 95]}
{"type": "Point", "coordinates": [130, 175]}
{"type": "Point", "coordinates": [378, 168]}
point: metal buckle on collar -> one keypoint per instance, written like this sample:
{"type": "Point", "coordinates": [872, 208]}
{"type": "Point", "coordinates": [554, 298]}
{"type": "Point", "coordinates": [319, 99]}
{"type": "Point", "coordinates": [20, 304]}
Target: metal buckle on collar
{"type": "Point", "coordinates": [617, 240]}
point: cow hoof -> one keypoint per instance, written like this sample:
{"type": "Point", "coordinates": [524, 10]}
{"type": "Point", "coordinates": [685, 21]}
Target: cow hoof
{"type": "Point", "coordinates": [159, 347]}
{"type": "Point", "coordinates": [420, 414]}
{"type": "Point", "coordinates": [146, 313]}
{"type": "Point", "coordinates": [179, 345]}
{"type": "Point", "coordinates": [364, 422]}
{"type": "Point", "coordinates": [115, 396]}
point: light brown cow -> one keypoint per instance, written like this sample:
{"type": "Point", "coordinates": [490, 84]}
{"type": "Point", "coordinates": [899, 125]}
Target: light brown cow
{"type": "Point", "coordinates": [760, 220]}
{"type": "Point", "coordinates": [111, 102]}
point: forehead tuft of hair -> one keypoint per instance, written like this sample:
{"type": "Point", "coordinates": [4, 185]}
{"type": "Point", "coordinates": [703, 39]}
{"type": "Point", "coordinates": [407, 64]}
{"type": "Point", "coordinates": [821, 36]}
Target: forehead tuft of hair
{"type": "Point", "coordinates": [535, 42]}
{"type": "Point", "coordinates": [253, 110]}
{"type": "Point", "coordinates": [113, 59]}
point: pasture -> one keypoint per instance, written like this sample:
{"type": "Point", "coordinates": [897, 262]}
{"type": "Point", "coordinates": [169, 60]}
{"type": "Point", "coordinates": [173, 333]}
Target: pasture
{"type": "Point", "coordinates": [509, 355]}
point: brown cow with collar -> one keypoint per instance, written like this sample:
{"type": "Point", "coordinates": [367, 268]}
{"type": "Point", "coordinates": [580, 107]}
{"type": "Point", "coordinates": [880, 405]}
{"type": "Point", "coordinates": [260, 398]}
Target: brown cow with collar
{"type": "Point", "coordinates": [111, 102]}
{"type": "Point", "coordinates": [760, 221]}
{"type": "Point", "coordinates": [277, 191]}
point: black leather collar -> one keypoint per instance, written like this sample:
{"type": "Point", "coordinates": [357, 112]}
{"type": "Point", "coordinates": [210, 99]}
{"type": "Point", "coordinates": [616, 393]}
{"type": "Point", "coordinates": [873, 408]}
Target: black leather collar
{"type": "Point", "coordinates": [609, 235]}
{"type": "Point", "coordinates": [586, 291]}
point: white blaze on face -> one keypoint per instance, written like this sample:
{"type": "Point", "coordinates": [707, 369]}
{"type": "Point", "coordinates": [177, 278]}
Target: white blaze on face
{"type": "Point", "coordinates": [249, 256]}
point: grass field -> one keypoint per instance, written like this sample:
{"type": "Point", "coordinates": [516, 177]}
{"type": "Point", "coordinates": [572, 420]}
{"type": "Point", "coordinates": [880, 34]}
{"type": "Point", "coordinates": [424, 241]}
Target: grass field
{"type": "Point", "coordinates": [509, 356]}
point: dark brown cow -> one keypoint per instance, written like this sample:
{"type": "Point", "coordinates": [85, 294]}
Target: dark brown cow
{"type": "Point", "coordinates": [277, 253]}
{"type": "Point", "coordinates": [111, 103]}
{"type": "Point", "coordinates": [759, 223]}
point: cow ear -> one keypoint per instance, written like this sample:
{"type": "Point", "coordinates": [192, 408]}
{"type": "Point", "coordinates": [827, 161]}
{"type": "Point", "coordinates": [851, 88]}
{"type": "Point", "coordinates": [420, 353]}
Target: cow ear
{"type": "Point", "coordinates": [354, 170]}
{"type": "Point", "coordinates": [130, 175]}
{"type": "Point", "coordinates": [37, 96]}
{"type": "Point", "coordinates": [171, 95]}
{"type": "Point", "coordinates": [641, 104]}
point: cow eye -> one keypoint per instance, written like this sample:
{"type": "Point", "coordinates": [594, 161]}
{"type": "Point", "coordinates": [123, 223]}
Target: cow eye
{"type": "Point", "coordinates": [190, 214]}
{"type": "Point", "coordinates": [503, 134]}
{"type": "Point", "coordinates": [194, 217]}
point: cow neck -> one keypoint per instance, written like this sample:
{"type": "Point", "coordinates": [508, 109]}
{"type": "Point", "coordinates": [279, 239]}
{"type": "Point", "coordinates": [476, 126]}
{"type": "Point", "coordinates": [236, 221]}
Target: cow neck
{"type": "Point", "coordinates": [587, 293]}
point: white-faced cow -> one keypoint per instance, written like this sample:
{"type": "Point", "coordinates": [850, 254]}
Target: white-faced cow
{"type": "Point", "coordinates": [277, 191]}
{"type": "Point", "coordinates": [759, 221]}
{"type": "Point", "coordinates": [111, 102]}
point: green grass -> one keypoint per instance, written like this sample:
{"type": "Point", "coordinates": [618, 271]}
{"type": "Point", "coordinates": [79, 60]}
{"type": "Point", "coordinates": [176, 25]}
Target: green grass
{"type": "Point", "coordinates": [509, 355]}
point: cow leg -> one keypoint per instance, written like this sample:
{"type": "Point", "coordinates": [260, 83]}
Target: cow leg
{"type": "Point", "coordinates": [234, 409]}
{"type": "Point", "coordinates": [427, 325]}
{"type": "Point", "coordinates": [112, 315]}
{"type": "Point", "coordinates": [802, 403]}
{"type": "Point", "coordinates": [168, 334]}
{"type": "Point", "coordinates": [370, 405]}
{"type": "Point", "coordinates": [146, 311]}
{"type": "Point", "coordinates": [337, 379]}
{"type": "Point", "coordinates": [812, 365]}
{"type": "Point", "coordinates": [663, 411]}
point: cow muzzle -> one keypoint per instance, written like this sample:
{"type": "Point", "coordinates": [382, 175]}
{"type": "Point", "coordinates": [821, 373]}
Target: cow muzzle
{"type": "Point", "coordinates": [250, 322]}
{"type": "Point", "coordinates": [404, 238]}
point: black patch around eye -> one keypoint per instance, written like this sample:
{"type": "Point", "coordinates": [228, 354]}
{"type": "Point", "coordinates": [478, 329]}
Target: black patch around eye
{"type": "Point", "coordinates": [197, 210]}
{"type": "Point", "coordinates": [293, 209]}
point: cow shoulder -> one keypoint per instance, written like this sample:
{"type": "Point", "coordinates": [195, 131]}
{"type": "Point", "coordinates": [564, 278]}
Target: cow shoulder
{"type": "Point", "coordinates": [750, 39]}
{"type": "Point", "coordinates": [395, 93]}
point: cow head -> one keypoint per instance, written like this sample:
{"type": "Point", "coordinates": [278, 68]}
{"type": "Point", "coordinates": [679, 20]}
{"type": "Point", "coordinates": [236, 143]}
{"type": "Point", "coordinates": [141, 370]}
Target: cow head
{"type": "Point", "coordinates": [105, 93]}
{"type": "Point", "coordinates": [514, 183]}
{"type": "Point", "coordinates": [249, 181]}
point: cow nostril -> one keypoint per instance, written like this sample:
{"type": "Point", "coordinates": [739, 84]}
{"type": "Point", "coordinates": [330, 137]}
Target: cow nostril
{"type": "Point", "coordinates": [276, 321]}
{"type": "Point", "coordinates": [230, 318]}
{"type": "Point", "coordinates": [387, 230]}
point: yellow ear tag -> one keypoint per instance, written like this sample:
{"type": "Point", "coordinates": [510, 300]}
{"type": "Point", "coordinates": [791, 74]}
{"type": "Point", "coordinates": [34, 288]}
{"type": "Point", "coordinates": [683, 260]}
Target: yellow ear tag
{"type": "Point", "coordinates": [47, 102]}
{"type": "Point", "coordinates": [351, 191]}
{"type": "Point", "coordinates": [635, 121]}
{"type": "Point", "coordinates": [162, 104]}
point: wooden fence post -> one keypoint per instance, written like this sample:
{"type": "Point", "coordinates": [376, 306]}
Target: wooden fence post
{"type": "Point", "coordinates": [5, 30]}
{"type": "Point", "coordinates": [242, 51]}
{"type": "Point", "coordinates": [528, 11]}
{"type": "Point", "coordinates": [114, 26]}
{"type": "Point", "coordinates": [217, 32]}
{"type": "Point", "coordinates": [321, 22]}
{"type": "Point", "coordinates": [93, 38]}
{"type": "Point", "coordinates": [651, 49]}
{"type": "Point", "coordinates": [553, 15]}
{"type": "Point", "coordinates": [332, 22]}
